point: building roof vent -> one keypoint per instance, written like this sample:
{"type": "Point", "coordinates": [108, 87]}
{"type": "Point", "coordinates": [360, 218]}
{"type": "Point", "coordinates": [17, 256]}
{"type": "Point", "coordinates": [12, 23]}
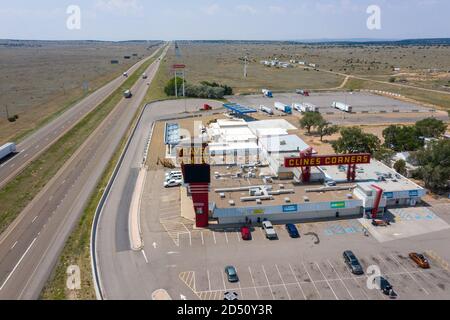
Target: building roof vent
{"type": "Point", "coordinates": [231, 203]}
{"type": "Point", "coordinates": [287, 200]}
{"type": "Point", "coordinates": [258, 201]}
{"type": "Point", "coordinates": [222, 195]}
{"type": "Point", "coordinates": [306, 199]}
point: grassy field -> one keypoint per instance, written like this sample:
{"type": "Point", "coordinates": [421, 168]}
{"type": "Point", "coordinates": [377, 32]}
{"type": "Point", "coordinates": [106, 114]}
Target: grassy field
{"type": "Point", "coordinates": [77, 248]}
{"type": "Point", "coordinates": [16, 195]}
{"type": "Point", "coordinates": [42, 79]}
{"type": "Point", "coordinates": [218, 62]}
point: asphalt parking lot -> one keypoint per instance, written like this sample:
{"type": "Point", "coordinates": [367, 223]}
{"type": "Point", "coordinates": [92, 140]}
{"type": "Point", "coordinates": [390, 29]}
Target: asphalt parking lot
{"type": "Point", "coordinates": [368, 108]}
{"type": "Point", "coordinates": [308, 268]}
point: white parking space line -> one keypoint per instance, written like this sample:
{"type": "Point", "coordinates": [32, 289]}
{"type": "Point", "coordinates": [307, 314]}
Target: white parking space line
{"type": "Point", "coordinates": [226, 236]}
{"type": "Point", "coordinates": [238, 236]}
{"type": "Point", "coordinates": [214, 236]}
{"type": "Point", "coordinates": [267, 279]}
{"type": "Point", "coordinates": [282, 280]}
{"type": "Point", "coordinates": [298, 283]}
{"type": "Point", "coordinates": [326, 280]}
{"type": "Point", "coordinates": [203, 239]}
{"type": "Point", "coordinates": [253, 281]}
{"type": "Point", "coordinates": [239, 284]}
{"type": "Point", "coordinates": [223, 280]}
{"type": "Point", "coordinates": [312, 281]}
{"type": "Point", "coordinates": [209, 280]}
{"type": "Point", "coordinates": [145, 256]}
{"type": "Point", "coordinates": [410, 275]}
{"type": "Point", "coordinates": [357, 284]}
{"type": "Point", "coordinates": [342, 281]}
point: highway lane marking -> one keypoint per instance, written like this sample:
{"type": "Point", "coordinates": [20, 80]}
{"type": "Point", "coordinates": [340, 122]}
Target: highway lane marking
{"type": "Point", "coordinates": [145, 256]}
{"type": "Point", "coordinates": [34, 219]}
{"type": "Point", "coordinates": [18, 263]}
{"type": "Point", "coordinates": [12, 166]}
{"type": "Point", "coordinates": [15, 243]}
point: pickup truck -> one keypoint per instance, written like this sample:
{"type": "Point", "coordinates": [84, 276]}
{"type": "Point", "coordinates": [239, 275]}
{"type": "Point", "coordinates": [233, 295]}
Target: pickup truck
{"type": "Point", "coordinates": [269, 230]}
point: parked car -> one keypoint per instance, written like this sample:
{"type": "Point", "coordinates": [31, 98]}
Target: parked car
{"type": "Point", "coordinates": [384, 286]}
{"type": "Point", "coordinates": [269, 230]}
{"type": "Point", "coordinates": [292, 230]}
{"type": "Point", "coordinates": [173, 183]}
{"type": "Point", "coordinates": [380, 223]}
{"type": "Point", "coordinates": [420, 260]}
{"type": "Point", "coordinates": [174, 177]}
{"type": "Point", "coordinates": [231, 273]}
{"type": "Point", "coordinates": [246, 233]}
{"type": "Point", "coordinates": [353, 263]}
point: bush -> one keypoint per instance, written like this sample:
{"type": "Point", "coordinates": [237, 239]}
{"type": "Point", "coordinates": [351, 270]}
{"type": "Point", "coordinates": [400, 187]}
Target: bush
{"type": "Point", "coordinates": [169, 89]}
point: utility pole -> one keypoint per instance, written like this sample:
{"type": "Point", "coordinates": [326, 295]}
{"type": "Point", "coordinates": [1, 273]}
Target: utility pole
{"type": "Point", "coordinates": [245, 66]}
{"type": "Point", "coordinates": [7, 111]}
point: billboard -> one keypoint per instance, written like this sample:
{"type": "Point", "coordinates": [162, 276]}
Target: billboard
{"type": "Point", "coordinates": [332, 160]}
{"type": "Point", "coordinates": [196, 173]}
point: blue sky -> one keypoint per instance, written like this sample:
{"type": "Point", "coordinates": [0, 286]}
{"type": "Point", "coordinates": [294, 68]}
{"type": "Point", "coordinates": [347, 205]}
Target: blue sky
{"type": "Point", "coordinates": [220, 19]}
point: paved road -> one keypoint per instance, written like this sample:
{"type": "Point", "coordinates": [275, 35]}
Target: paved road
{"type": "Point", "coordinates": [112, 243]}
{"type": "Point", "coordinates": [43, 138]}
{"type": "Point", "coordinates": [31, 245]}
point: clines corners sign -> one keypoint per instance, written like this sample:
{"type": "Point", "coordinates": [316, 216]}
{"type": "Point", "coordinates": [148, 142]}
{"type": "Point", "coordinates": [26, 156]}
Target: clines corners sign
{"type": "Point", "coordinates": [330, 160]}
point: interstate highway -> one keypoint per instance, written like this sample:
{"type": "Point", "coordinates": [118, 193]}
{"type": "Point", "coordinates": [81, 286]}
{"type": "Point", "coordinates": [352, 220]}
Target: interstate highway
{"type": "Point", "coordinates": [30, 247]}
{"type": "Point", "coordinates": [39, 141]}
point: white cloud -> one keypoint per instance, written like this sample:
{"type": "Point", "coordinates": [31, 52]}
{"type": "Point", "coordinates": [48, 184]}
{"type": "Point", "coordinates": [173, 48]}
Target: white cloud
{"type": "Point", "coordinates": [122, 6]}
{"type": "Point", "coordinates": [212, 9]}
{"type": "Point", "coordinates": [245, 8]}
{"type": "Point", "coordinates": [277, 10]}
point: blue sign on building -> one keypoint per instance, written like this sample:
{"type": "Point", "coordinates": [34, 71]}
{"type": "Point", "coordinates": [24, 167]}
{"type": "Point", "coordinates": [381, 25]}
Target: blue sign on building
{"type": "Point", "coordinates": [414, 193]}
{"type": "Point", "coordinates": [290, 208]}
{"type": "Point", "coordinates": [389, 195]}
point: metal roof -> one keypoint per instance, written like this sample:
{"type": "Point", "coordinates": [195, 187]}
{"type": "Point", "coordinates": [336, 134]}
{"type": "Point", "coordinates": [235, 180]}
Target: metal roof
{"type": "Point", "coordinates": [237, 108]}
{"type": "Point", "coordinates": [172, 134]}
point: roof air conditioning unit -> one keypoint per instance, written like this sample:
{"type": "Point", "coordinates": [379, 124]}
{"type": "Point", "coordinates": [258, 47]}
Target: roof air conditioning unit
{"type": "Point", "coordinates": [231, 203]}
{"type": "Point", "coordinates": [258, 201]}
{"type": "Point", "coordinates": [287, 200]}
{"type": "Point", "coordinates": [222, 195]}
{"type": "Point", "coordinates": [306, 199]}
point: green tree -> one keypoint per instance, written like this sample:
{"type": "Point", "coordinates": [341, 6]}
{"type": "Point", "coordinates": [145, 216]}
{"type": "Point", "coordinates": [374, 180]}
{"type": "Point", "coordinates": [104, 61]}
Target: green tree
{"type": "Point", "coordinates": [354, 140]}
{"type": "Point", "coordinates": [431, 128]}
{"type": "Point", "coordinates": [325, 128]}
{"type": "Point", "coordinates": [400, 167]}
{"type": "Point", "coordinates": [310, 120]}
{"type": "Point", "coordinates": [434, 162]}
{"type": "Point", "coordinates": [402, 138]}
{"type": "Point", "coordinates": [384, 155]}
{"type": "Point", "coordinates": [169, 89]}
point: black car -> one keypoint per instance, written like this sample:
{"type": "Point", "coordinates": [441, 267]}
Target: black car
{"type": "Point", "coordinates": [353, 263]}
{"type": "Point", "coordinates": [231, 274]}
{"type": "Point", "coordinates": [292, 230]}
{"type": "Point", "coordinates": [384, 286]}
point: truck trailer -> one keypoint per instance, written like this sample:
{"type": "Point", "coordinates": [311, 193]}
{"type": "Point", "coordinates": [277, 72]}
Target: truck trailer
{"type": "Point", "coordinates": [342, 106]}
{"type": "Point", "coordinates": [7, 149]}
{"type": "Point", "coordinates": [267, 93]}
{"type": "Point", "coordinates": [302, 92]}
{"type": "Point", "coordinates": [266, 109]}
{"type": "Point", "coordinates": [283, 107]}
{"type": "Point", "coordinates": [305, 107]}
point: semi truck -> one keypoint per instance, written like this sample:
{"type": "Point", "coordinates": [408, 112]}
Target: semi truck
{"type": "Point", "coordinates": [302, 92]}
{"type": "Point", "coordinates": [305, 107]}
{"type": "Point", "coordinates": [267, 93]}
{"type": "Point", "coordinates": [7, 149]}
{"type": "Point", "coordinates": [266, 109]}
{"type": "Point", "coordinates": [283, 107]}
{"type": "Point", "coordinates": [342, 106]}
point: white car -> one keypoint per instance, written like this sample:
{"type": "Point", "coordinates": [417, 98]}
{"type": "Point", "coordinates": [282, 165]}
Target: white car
{"type": "Point", "coordinates": [173, 183]}
{"type": "Point", "coordinates": [269, 230]}
{"type": "Point", "coordinates": [174, 175]}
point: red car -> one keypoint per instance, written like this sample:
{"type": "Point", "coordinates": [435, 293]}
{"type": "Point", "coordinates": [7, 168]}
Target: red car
{"type": "Point", "coordinates": [246, 233]}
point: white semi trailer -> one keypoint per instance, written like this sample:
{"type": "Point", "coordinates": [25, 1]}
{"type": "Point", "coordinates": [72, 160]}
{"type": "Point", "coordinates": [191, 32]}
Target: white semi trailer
{"type": "Point", "coordinates": [342, 106]}
{"type": "Point", "coordinates": [283, 107]}
{"type": "Point", "coordinates": [7, 149]}
{"type": "Point", "coordinates": [305, 107]}
{"type": "Point", "coordinates": [266, 109]}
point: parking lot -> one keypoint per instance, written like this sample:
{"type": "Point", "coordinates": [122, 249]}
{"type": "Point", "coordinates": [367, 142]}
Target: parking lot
{"type": "Point", "coordinates": [308, 268]}
{"type": "Point", "coordinates": [327, 279]}
{"type": "Point", "coordinates": [368, 108]}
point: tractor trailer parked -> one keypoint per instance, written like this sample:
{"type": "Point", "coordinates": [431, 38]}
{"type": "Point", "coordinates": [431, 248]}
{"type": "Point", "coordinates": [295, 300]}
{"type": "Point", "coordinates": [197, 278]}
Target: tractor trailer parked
{"type": "Point", "coordinates": [283, 107]}
{"type": "Point", "coordinates": [342, 106]}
